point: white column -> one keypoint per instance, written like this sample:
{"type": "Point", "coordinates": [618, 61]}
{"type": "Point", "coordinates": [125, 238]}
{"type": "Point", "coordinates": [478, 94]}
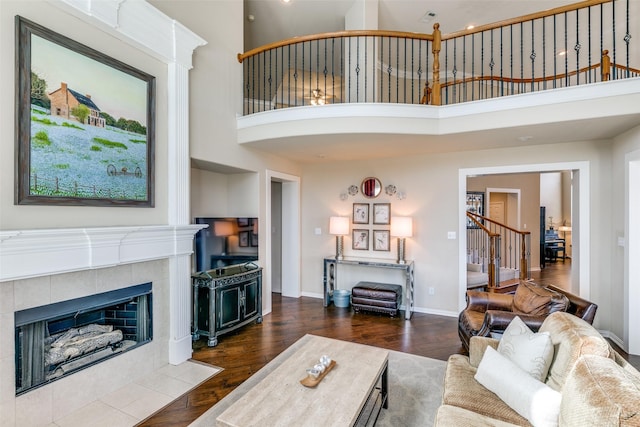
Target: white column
{"type": "Point", "coordinates": [178, 197]}
{"type": "Point", "coordinates": [359, 60]}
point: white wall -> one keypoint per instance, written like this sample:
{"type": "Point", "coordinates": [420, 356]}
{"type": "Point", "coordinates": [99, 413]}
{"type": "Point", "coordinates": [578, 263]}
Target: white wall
{"type": "Point", "coordinates": [25, 217]}
{"type": "Point", "coordinates": [625, 293]}
{"type": "Point", "coordinates": [551, 198]}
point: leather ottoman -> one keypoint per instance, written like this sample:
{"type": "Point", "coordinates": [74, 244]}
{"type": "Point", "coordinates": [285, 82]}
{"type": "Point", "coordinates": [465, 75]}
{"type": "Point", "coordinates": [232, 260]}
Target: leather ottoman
{"type": "Point", "coordinates": [376, 297]}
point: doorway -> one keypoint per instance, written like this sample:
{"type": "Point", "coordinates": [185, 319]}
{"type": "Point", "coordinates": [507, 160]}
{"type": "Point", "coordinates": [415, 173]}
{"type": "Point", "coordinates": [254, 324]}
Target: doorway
{"type": "Point", "coordinates": [632, 252]}
{"type": "Point", "coordinates": [283, 236]}
{"type": "Point", "coordinates": [580, 218]}
{"type": "Point", "coordinates": [276, 237]}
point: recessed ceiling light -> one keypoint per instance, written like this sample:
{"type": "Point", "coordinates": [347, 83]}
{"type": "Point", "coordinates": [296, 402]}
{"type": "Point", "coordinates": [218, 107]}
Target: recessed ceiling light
{"type": "Point", "coordinates": [470, 27]}
{"type": "Point", "coordinates": [285, 1]}
{"type": "Point", "coordinates": [562, 53]}
{"type": "Point", "coordinates": [525, 138]}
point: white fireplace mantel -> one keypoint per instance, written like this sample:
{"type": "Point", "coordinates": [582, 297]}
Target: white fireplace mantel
{"type": "Point", "coordinates": [38, 252]}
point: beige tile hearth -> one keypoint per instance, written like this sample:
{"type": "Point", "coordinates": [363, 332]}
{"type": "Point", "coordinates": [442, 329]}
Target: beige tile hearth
{"type": "Point", "coordinates": [136, 401]}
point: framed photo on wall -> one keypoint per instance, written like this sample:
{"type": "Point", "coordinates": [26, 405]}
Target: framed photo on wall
{"type": "Point", "coordinates": [85, 124]}
{"type": "Point", "coordinates": [360, 239]}
{"type": "Point", "coordinates": [381, 240]}
{"type": "Point", "coordinates": [360, 213]}
{"type": "Point", "coordinates": [382, 213]}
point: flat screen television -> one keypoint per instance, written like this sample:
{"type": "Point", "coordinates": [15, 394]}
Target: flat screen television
{"type": "Point", "coordinates": [227, 241]}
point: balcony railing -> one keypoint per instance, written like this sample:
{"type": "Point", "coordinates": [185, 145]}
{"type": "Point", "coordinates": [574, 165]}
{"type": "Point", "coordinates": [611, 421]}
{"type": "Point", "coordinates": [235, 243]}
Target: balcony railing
{"type": "Point", "coordinates": [573, 45]}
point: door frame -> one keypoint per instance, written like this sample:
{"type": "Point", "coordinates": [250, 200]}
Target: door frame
{"type": "Point", "coordinates": [290, 234]}
{"type": "Point", "coordinates": [515, 191]}
{"type": "Point", "coordinates": [581, 219]}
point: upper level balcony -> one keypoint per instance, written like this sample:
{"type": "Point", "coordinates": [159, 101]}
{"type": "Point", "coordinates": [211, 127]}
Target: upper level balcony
{"type": "Point", "coordinates": [563, 74]}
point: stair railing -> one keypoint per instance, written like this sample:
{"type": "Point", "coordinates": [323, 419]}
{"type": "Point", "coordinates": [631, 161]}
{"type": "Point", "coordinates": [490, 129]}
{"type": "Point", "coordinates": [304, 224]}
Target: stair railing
{"type": "Point", "coordinates": [498, 246]}
{"type": "Point", "coordinates": [585, 42]}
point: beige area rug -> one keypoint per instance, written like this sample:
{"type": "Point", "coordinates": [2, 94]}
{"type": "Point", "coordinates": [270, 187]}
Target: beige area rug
{"type": "Point", "coordinates": [415, 390]}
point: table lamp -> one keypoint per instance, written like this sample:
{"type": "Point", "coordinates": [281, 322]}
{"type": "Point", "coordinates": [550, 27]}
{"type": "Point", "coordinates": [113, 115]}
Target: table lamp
{"type": "Point", "coordinates": [401, 227]}
{"type": "Point", "coordinates": [224, 229]}
{"type": "Point", "coordinates": [564, 229]}
{"type": "Point", "coordinates": [339, 227]}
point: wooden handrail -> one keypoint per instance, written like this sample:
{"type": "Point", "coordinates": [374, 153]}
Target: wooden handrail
{"type": "Point", "coordinates": [480, 225]}
{"type": "Point", "coordinates": [333, 35]}
{"type": "Point", "coordinates": [525, 18]}
{"type": "Point", "coordinates": [606, 72]}
{"type": "Point", "coordinates": [484, 218]}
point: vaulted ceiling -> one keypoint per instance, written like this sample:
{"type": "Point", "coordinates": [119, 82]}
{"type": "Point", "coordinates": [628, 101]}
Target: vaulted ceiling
{"type": "Point", "coordinates": [268, 21]}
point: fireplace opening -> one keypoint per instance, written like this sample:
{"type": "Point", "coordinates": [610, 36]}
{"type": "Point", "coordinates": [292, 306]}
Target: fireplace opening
{"type": "Point", "coordinates": [59, 339]}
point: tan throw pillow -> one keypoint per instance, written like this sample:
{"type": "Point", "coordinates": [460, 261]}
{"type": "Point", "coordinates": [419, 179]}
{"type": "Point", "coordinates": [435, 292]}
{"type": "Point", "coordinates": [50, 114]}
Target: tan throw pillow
{"type": "Point", "coordinates": [532, 352]}
{"type": "Point", "coordinates": [531, 298]}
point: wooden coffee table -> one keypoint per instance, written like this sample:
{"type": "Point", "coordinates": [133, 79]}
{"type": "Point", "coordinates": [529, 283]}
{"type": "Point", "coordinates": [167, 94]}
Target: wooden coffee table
{"type": "Point", "coordinates": [351, 394]}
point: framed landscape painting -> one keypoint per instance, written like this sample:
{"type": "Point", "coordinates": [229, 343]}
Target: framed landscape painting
{"type": "Point", "coordinates": [85, 124]}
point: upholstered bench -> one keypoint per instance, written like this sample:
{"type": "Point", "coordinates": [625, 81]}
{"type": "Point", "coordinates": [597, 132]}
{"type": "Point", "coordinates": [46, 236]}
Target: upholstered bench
{"type": "Point", "coordinates": [376, 297]}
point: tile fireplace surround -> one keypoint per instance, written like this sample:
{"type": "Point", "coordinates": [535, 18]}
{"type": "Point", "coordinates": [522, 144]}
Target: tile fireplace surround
{"type": "Point", "coordinates": [122, 257]}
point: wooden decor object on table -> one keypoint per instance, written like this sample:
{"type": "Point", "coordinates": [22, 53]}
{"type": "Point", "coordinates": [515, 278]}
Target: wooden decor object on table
{"type": "Point", "coordinates": [311, 382]}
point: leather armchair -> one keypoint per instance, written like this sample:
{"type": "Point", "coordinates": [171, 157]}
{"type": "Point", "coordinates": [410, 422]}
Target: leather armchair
{"type": "Point", "coordinates": [488, 312]}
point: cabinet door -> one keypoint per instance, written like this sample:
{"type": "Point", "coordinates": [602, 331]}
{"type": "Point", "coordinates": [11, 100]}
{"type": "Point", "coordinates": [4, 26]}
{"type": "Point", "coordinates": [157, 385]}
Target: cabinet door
{"type": "Point", "coordinates": [251, 299]}
{"type": "Point", "coordinates": [229, 309]}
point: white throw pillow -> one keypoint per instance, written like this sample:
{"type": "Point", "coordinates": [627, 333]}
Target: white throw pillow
{"type": "Point", "coordinates": [533, 352]}
{"type": "Point", "coordinates": [532, 399]}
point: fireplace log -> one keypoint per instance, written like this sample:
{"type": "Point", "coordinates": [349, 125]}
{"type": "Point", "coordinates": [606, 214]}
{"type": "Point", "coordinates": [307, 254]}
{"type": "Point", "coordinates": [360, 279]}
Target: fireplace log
{"type": "Point", "coordinates": [79, 345]}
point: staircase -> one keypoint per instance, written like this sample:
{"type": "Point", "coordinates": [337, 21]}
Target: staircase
{"type": "Point", "coordinates": [500, 253]}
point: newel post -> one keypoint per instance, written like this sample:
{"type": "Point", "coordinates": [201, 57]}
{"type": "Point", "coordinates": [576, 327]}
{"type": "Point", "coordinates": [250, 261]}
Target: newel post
{"type": "Point", "coordinates": [605, 64]}
{"type": "Point", "coordinates": [524, 250]}
{"type": "Point", "coordinates": [435, 49]}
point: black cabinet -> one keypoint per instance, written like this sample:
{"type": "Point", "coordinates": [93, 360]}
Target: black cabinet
{"type": "Point", "coordinates": [225, 299]}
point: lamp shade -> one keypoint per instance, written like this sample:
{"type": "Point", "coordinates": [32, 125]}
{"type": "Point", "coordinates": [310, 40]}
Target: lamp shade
{"type": "Point", "coordinates": [401, 226]}
{"type": "Point", "coordinates": [223, 228]}
{"type": "Point", "coordinates": [339, 225]}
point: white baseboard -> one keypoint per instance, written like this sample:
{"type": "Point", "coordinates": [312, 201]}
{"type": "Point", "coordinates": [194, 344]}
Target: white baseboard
{"type": "Point", "coordinates": [613, 337]}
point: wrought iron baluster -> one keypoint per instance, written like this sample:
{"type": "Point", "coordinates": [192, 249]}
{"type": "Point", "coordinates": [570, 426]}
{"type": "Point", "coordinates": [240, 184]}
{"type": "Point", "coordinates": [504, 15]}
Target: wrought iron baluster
{"type": "Point", "coordinates": [577, 47]}
{"type": "Point", "coordinates": [533, 56]}
{"type": "Point", "coordinates": [614, 69]}
{"type": "Point", "coordinates": [397, 69]}
{"type": "Point", "coordinates": [544, 53]}
{"type": "Point", "coordinates": [464, 68]}
{"type": "Point", "coordinates": [357, 69]}
{"type": "Point", "coordinates": [389, 69]}
{"type": "Point", "coordinates": [590, 73]}
{"type": "Point", "coordinates": [366, 45]}
{"type": "Point", "coordinates": [566, 51]}
{"type": "Point", "coordinates": [627, 39]}
{"type": "Point", "coordinates": [555, 52]}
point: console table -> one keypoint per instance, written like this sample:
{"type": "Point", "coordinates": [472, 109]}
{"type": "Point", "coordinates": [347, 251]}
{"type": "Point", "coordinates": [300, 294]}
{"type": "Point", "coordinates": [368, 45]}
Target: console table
{"type": "Point", "coordinates": [331, 273]}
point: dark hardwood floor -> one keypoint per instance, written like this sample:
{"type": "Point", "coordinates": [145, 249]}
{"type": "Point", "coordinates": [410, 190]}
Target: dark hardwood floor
{"type": "Point", "coordinates": [244, 352]}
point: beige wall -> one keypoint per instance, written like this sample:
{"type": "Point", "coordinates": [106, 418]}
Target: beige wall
{"type": "Point", "coordinates": [24, 217]}
{"type": "Point", "coordinates": [431, 185]}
